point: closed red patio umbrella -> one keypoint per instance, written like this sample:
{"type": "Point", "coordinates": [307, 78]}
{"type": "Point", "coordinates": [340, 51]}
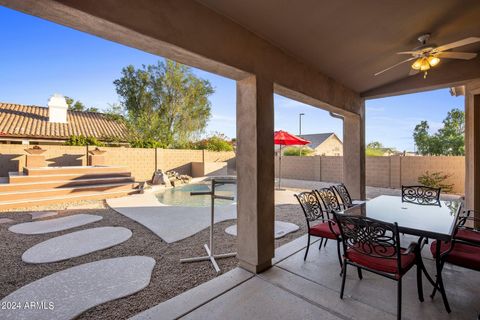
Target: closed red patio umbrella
{"type": "Point", "coordinates": [284, 138]}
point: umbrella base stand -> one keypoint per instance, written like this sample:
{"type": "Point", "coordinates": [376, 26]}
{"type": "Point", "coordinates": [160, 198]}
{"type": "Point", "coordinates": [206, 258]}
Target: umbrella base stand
{"type": "Point", "coordinates": [210, 257]}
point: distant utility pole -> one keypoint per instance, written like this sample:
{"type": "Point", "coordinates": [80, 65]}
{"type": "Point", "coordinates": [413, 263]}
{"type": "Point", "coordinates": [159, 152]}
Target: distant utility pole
{"type": "Point", "coordinates": [300, 128]}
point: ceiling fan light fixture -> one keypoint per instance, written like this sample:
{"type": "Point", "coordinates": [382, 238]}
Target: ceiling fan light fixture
{"type": "Point", "coordinates": [427, 56]}
{"type": "Point", "coordinates": [422, 64]}
{"type": "Point", "coordinates": [433, 61]}
{"type": "Point", "coordinates": [425, 65]}
{"type": "Point", "coordinates": [417, 64]}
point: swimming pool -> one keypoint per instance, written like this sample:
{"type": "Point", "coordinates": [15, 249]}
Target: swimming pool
{"type": "Point", "coordinates": [180, 196]}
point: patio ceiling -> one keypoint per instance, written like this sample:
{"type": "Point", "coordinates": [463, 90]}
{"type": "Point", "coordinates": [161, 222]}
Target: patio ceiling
{"type": "Point", "coordinates": [351, 40]}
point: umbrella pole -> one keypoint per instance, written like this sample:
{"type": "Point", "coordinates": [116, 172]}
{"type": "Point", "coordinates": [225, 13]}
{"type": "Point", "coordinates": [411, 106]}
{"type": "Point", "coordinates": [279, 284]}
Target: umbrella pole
{"type": "Point", "coordinates": [280, 169]}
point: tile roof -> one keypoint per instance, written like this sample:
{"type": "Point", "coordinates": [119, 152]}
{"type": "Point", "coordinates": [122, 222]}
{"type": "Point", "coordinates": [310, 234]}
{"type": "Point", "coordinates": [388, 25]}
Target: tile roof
{"type": "Point", "coordinates": [25, 121]}
{"type": "Point", "coordinates": [317, 138]}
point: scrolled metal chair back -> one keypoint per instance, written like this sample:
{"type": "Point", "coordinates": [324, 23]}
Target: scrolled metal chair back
{"type": "Point", "coordinates": [369, 237]}
{"type": "Point", "coordinates": [344, 195]}
{"type": "Point", "coordinates": [329, 200]}
{"type": "Point", "coordinates": [421, 195]}
{"type": "Point", "coordinates": [311, 205]}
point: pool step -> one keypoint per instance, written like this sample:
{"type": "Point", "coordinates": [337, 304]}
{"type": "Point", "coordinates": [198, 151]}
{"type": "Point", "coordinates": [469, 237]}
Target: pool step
{"type": "Point", "coordinates": [73, 170]}
{"type": "Point", "coordinates": [28, 195]}
{"type": "Point", "coordinates": [52, 183]}
{"type": "Point", "coordinates": [45, 185]}
{"type": "Point", "coordinates": [20, 177]}
{"type": "Point", "coordinates": [12, 204]}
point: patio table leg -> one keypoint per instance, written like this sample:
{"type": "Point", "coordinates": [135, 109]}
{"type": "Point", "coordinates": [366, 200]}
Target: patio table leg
{"type": "Point", "coordinates": [439, 284]}
{"type": "Point", "coordinates": [422, 266]}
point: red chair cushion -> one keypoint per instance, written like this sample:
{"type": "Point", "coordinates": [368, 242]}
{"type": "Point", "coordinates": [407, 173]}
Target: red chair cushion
{"type": "Point", "coordinates": [468, 235]}
{"type": "Point", "coordinates": [388, 265]}
{"type": "Point", "coordinates": [462, 255]}
{"type": "Point", "coordinates": [323, 230]}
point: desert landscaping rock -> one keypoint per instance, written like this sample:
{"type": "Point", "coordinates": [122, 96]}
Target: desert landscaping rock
{"type": "Point", "coordinates": [76, 244]}
{"type": "Point", "coordinates": [6, 220]}
{"type": "Point", "coordinates": [164, 283]}
{"type": "Point", "coordinates": [42, 214]}
{"type": "Point", "coordinates": [53, 225]}
{"type": "Point", "coordinates": [281, 229]}
{"type": "Point", "coordinates": [68, 293]}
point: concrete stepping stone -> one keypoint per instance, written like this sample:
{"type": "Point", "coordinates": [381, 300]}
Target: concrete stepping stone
{"type": "Point", "coordinates": [42, 214]}
{"type": "Point", "coordinates": [53, 225]}
{"type": "Point", "coordinates": [6, 220]}
{"type": "Point", "coordinates": [76, 244]}
{"type": "Point", "coordinates": [281, 229]}
{"type": "Point", "coordinates": [68, 293]}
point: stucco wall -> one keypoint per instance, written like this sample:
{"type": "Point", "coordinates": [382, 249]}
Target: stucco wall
{"type": "Point", "coordinates": [141, 162]}
{"type": "Point", "coordinates": [385, 172]}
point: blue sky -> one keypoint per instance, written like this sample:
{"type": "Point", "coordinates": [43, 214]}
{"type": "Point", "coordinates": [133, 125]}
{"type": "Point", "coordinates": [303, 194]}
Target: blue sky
{"type": "Point", "coordinates": [40, 58]}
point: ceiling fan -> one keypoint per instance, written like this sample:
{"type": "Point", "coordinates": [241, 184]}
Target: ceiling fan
{"type": "Point", "coordinates": [428, 55]}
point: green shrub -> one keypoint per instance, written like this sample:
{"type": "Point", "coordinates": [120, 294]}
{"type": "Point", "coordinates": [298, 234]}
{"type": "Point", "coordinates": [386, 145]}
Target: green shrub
{"type": "Point", "coordinates": [297, 151]}
{"type": "Point", "coordinates": [372, 152]}
{"type": "Point", "coordinates": [436, 180]}
{"type": "Point", "coordinates": [214, 143]}
{"type": "Point", "coordinates": [83, 141]}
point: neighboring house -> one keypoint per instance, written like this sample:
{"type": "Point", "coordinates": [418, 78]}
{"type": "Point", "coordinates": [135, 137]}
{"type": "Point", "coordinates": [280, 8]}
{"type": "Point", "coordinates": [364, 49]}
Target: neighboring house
{"type": "Point", "coordinates": [324, 144]}
{"type": "Point", "coordinates": [386, 152]}
{"type": "Point", "coordinates": [55, 124]}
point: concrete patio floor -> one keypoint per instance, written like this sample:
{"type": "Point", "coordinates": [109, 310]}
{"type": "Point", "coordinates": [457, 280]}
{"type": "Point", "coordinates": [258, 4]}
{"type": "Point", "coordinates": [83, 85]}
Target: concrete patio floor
{"type": "Point", "coordinates": [298, 289]}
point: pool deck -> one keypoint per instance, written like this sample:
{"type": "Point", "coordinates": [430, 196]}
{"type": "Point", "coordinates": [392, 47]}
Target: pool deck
{"type": "Point", "coordinates": [174, 223]}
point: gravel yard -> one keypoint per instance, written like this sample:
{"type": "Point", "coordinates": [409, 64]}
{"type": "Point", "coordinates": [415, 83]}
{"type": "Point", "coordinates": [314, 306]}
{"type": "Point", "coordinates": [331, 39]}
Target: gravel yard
{"type": "Point", "coordinates": [169, 277]}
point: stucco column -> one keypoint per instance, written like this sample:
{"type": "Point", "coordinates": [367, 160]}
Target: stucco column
{"type": "Point", "coordinates": [354, 153]}
{"type": "Point", "coordinates": [472, 146]}
{"type": "Point", "coordinates": [255, 170]}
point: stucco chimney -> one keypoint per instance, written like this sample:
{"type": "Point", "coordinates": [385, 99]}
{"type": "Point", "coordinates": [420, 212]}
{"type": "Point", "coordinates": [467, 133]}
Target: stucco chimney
{"type": "Point", "coordinates": [57, 109]}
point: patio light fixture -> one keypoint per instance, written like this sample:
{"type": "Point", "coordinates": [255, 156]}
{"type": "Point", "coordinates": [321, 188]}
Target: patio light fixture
{"type": "Point", "coordinates": [425, 63]}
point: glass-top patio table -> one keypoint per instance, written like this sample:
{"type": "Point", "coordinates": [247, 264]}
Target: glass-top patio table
{"type": "Point", "coordinates": [434, 221]}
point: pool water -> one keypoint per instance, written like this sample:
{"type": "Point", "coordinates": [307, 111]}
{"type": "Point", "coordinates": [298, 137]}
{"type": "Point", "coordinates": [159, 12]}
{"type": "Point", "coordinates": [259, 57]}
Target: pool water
{"type": "Point", "coordinates": [180, 196]}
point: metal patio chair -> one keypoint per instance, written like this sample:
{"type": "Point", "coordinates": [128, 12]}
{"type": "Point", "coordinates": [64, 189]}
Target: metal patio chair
{"type": "Point", "coordinates": [374, 246]}
{"type": "Point", "coordinates": [319, 222]}
{"type": "Point", "coordinates": [344, 196]}
{"type": "Point", "coordinates": [421, 195]}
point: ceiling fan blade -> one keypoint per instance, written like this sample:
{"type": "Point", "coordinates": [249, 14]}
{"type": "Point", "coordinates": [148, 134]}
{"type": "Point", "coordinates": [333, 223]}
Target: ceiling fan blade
{"type": "Point", "coordinates": [409, 52]}
{"type": "Point", "coordinates": [413, 72]}
{"type": "Point", "coordinates": [395, 65]}
{"type": "Point", "coordinates": [456, 44]}
{"type": "Point", "coordinates": [456, 55]}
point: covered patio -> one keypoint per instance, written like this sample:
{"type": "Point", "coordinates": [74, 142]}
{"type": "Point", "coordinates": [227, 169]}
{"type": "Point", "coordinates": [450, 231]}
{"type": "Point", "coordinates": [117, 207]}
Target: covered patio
{"type": "Point", "coordinates": [298, 289]}
{"type": "Point", "coordinates": [321, 53]}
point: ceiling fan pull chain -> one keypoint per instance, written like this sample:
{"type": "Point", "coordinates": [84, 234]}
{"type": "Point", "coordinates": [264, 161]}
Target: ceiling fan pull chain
{"type": "Point", "coordinates": [425, 75]}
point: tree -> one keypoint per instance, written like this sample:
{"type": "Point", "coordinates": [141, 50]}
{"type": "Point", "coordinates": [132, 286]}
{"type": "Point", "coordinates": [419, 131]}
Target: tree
{"type": "Point", "coordinates": [376, 149]}
{"type": "Point", "coordinates": [78, 106]}
{"type": "Point", "coordinates": [375, 145]}
{"type": "Point", "coordinates": [217, 142]}
{"type": "Point", "coordinates": [164, 102]}
{"type": "Point", "coordinates": [448, 140]}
